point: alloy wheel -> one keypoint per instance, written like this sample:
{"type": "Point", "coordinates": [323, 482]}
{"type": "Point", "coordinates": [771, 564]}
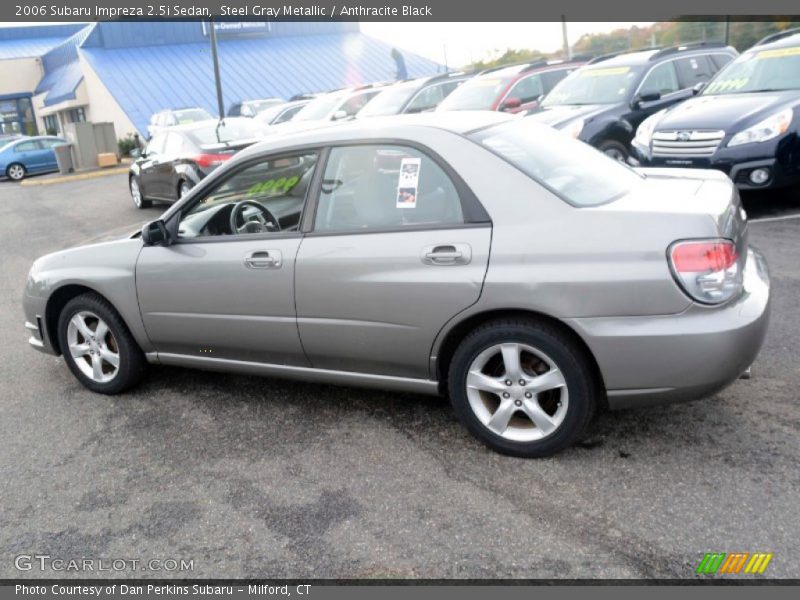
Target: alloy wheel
{"type": "Point", "coordinates": [93, 347]}
{"type": "Point", "coordinates": [16, 172]}
{"type": "Point", "coordinates": [136, 192]}
{"type": "Point", "coordinates": [616, 154]}
{"type": "Point", "coordinates": [517, 392]}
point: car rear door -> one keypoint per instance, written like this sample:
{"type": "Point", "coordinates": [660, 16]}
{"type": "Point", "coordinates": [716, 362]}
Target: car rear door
{"type": "Point", "coordinates": [398, 246]}
{"type": "Point", "coordinates": [29, 154]}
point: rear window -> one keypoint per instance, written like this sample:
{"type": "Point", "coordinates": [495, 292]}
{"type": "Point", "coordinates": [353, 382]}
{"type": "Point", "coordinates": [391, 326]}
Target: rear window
{"type": "Point", "coordinates": [573, 170]}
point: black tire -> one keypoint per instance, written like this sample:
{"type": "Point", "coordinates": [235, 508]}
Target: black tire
{"type": "Point", "coordinates": [132, 363]}
{"type": "Point", "coordinates": [569, 357]}
{"type": "Point", "coordinates": [615, 150]}
{"type": "Point", "coordinates": [142, 202]}
{"type": "Point", "coordinates": [13, 169]}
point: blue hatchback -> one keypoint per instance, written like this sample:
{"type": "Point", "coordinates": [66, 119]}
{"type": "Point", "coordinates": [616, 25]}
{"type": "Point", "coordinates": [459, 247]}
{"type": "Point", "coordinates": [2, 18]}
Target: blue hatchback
{"type": "Point", "coordinates": [28, 155]}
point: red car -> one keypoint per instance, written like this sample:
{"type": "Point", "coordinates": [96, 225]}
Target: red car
{"type": "Point", "coordinates": [509, 88]}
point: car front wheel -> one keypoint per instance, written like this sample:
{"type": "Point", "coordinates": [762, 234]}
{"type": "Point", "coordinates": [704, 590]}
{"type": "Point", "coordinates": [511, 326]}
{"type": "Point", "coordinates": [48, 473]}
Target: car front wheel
{"type": "Point", "coordinates": [523, 388]}
{"type": "Point", "coordinates": [97, 345]}
{"type": "Point", "coordinates": [136, 194]}
{"type": "Point", "coordinates": [15, 172]}
{"type": "Point", "coordinates": [614, 150]}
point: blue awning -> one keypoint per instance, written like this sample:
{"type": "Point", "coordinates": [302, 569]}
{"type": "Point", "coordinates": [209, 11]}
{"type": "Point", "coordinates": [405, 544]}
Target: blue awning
{"type": "Point", "coordinates": [145, 80]}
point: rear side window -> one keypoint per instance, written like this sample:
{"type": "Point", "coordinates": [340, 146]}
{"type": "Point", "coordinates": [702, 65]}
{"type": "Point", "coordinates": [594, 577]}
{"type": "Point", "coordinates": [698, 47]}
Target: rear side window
{"type": "Point", "coordinates": [693, 70]}
{"type": "Point", "coordinates": [27, 146]}
{"type": "Point", "coordinates": [551, 78]}
{"type": "Point", "coordinates": [287, 114]}
{"type": "Point", "coordinates": [569, 168]}
{"type": "Point", "coordinates": [527, 89]}
{"type": "Point", "coordinates": [374, 187]}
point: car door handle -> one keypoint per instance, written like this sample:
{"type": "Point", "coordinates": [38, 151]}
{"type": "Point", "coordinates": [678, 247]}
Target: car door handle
{"type": "Point", "coordinates": [264, 259]}
{"type": "Point", "coordinates": [447, 254]}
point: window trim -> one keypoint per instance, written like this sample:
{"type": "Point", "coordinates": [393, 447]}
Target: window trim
{"type": "Point", "coordinates": [472, 210]}
{"type": "Point", "coordinates": [173, 220]}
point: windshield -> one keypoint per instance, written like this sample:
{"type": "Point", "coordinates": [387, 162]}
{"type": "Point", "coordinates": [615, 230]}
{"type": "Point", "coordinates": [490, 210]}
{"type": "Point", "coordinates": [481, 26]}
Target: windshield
{"type": "Point", "coordinates": [479, 93]}
{"type": "Point", "coordinates": [318, 108]}
{"type": "Point", "coordinates": [231, 130]}
{"type": "Point", "coordinates": [257, 106]}
{"type": "Point", "coordinates": [571, 169]}
{"type": "Point", "coordinates": [191, 115]}
{"type": "Point", "coordinates": [390, 101]}
{"type": "Point", "coordinates": [757, 71]}
{"type": "Point", "coordinates": [593, 85]}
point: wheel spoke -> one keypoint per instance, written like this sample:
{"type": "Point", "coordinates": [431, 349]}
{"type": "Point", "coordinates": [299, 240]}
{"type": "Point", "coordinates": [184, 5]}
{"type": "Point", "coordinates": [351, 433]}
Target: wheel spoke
{"type": "Point", "coordinates": [550, 380]}
{"type": "Point", "coordinates": [78, 350]}
{"type": "Point", "coordinates": [511, 360]}
{"type": "Point", "coordinates": [109, 356]}
{"type": "Point", "coordinates": [485, 383]}
{"type": "Point", "coordinates": [100, 331]}
{"type": "Point", "coordinates": [539, 417]}
{"type": "Point", "coordinates": [82, 327]}
{"type": "Point", "coordinates": [97, 367]}
{"type": "Point", "coordinates": [499, 421]}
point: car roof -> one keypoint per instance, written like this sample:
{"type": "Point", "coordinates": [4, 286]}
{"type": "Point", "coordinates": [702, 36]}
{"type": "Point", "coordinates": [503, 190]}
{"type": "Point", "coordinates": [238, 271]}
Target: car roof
{"type": "Point", "coordinates": [785, 39]}
{"type": "Point", "coordinates": [652, 55]}
{"type": "Point", "coordinates": [460, 122]}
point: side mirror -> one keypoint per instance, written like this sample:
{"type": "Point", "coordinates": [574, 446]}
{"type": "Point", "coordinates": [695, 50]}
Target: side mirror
{"type": "Point", "coordinates": [136, 153]}
{"type": "Point", "coordinates": [645, 97]}
{"type": "Point", "coordinates": [339, 115]}
{"type": "Point", "coordinates": [155, 234]}
{"type": "Point", "coordinates": [699, 87]}
{"type": "Point", "coordinates": [511, 104]}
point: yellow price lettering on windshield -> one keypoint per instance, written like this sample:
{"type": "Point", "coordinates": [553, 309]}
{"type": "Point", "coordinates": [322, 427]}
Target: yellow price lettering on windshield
{"type": "Point", "coordinates": [604, 72]}
{"type": "Point", "coordinates": [778, 53]}
{"type": "Point", "coordinates": [277, 187]}
{"type": "Point", "coordinates": [726, 85]}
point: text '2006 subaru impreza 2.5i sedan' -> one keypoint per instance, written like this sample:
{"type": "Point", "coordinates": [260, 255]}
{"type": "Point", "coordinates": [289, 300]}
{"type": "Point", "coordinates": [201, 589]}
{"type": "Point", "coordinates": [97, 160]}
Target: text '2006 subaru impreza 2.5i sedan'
{"type": "Point", "coordinates": [523, 273]}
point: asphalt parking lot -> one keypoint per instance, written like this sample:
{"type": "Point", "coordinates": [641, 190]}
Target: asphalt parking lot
{"type": "Point", "coordinates": [253, 477]}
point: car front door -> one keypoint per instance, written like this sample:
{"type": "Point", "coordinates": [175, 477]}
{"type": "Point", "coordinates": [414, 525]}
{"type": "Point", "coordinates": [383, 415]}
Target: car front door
{"type": "Point", "coordinates": [663, 81]}
{"type": "Point", "coordinates": [225, 290]}
{"type": "Point", "coordinates": [398, 247]}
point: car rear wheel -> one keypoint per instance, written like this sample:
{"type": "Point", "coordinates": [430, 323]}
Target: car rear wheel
{"type": "Point", "coordinates": [15, 171]}
{"type": "Point", "coordinates": [136, 194]}
{"type": "Point", "coordinates": [523, 388]}
{"type": "Point", "coordinates": [614, 150]}
{"type": "Point", "coordinates": [97, 345]}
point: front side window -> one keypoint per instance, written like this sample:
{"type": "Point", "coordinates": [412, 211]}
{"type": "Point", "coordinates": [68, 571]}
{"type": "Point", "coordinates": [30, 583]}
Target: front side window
{"type": "Point", "coordinates": [266, 197]}
{"type": "Point", "coordinates": [27, 146]}
{"type": "Point", "coordinates": [385, 187]}
{"type": "Point", "coordinates": [578, 173]}
{"type": "Point", "coordinates": [427, 99]}
{"type": "Point", "coordinates": [662, 80]}
{"type": "Point", "coordinates": [527, 89]}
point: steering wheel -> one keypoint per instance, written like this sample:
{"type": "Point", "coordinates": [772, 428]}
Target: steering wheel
{"type": "Point", "coordinates": [249, 225]}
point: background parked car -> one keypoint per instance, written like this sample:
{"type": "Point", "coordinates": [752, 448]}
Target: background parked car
{"type": "Point", "coordinates": [510, 88]}
{"type": "Point", "coordinates": [250, 108]}
{"type": "Point", "coordinates": [336, 106]}
{"type": "Point", "coordinates": [414, 96]}
{"type": "Point", "coordinates": [745, 122]}
{"type": "Point", "coordinates": [280, 113]}
{"type": "Point", "coordinates": [169, 118]}
{"type": "Point", "coordinates": [27, 155]}
{"type": "Point", "coordinates": [604, 102]}
{"type": "Point", "coordinates": [177, 159]}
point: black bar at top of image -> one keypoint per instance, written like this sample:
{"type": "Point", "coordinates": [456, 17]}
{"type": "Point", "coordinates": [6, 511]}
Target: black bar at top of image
{"type": "Point", "coordinates": [390, 10]}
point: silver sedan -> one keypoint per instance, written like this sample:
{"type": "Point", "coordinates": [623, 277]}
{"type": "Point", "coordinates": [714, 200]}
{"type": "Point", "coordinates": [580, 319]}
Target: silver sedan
{"type": "Point", "coordinates": [522, 273]}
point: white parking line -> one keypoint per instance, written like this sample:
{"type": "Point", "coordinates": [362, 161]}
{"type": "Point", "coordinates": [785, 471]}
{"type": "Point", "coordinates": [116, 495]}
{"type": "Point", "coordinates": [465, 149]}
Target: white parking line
{"type": "Point", "coordinates": [771, 219]}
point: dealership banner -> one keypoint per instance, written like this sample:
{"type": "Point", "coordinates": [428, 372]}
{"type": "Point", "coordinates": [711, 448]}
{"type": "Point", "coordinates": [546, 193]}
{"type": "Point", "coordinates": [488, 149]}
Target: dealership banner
{"type": "Point", "coordinates": [385, 10]}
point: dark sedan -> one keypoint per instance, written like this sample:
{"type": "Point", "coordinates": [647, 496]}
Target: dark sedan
{"type": "Point", "coordinates": [175, 160]}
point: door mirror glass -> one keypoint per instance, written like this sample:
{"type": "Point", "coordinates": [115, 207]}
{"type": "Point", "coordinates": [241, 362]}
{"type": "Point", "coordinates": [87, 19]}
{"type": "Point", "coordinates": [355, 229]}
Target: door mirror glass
{"type": "Point", "coordinates": [339, 115]}
{"type": "Point", "coordinates": [155, 234]}
{"type": "Point", "coordinates": [639, 99]}
{"type": "Point", "coordinates": [699, 87]}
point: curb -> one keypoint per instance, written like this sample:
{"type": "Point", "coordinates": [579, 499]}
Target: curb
{"type": "Point", "coordinates": [76, 176]}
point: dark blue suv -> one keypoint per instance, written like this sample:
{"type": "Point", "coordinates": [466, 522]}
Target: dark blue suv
{"type": "Point", "coordinates": [605, 101]}
{"type": "Point", "coordinates": [744, 122]}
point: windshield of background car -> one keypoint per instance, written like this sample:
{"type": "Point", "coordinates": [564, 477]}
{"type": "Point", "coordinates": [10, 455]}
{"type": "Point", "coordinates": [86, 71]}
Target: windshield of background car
{"type": "Point", "coordinates": [758, 70]}
{"type": "Point", "coordinates": [230, 131]}
{"type": "Point", "coordinates": [390, 101]}
{"type": "Point", "coordinates": [571, 169]}
{"type": "Point", "coordinates": [318, 108]}
{"type": "Point", "coordinates": [191, 116]}
{"type": "Point", "coordinates": [593, 85]}
{"type": "Point", "coordinates": [479, 93]}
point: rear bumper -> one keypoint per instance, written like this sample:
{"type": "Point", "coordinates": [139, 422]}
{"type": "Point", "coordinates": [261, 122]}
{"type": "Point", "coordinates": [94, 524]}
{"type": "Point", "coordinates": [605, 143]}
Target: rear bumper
{"type": "Point", "coordinates": [658, 359]}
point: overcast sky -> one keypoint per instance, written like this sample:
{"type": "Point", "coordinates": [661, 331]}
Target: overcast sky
{"type": "Point", "coordinates": [468, 42]}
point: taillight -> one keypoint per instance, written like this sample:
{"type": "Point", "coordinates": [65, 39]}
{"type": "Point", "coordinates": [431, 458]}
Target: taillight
{"type": "Point", "coordinates": [708, 270]}
{"type": "Point", "coordinates": [211, 160]}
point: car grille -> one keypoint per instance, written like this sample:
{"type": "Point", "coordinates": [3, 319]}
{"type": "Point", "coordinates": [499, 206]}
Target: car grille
{"type": "Point", "coordinates": [686, 144]}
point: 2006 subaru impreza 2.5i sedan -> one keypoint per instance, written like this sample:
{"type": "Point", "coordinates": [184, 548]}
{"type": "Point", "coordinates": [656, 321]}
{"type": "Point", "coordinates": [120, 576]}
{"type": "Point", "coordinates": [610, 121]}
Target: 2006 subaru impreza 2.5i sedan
{"type": "Point", "coordinates": [525, 274]}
